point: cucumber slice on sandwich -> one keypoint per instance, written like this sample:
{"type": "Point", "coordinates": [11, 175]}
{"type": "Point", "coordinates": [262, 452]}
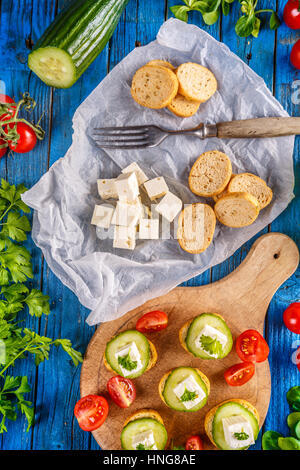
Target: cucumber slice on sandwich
{"type": "Point", "coordinates": [144, 430]}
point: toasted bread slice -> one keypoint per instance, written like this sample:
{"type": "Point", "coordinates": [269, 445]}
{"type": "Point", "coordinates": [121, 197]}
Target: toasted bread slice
{"type": "Point", "coordinates": [163, 380]}
{"type": "Point", "coordinates": [237, 209]}
{"type": "Point", "coordinates": [144, 413]}
{"type": "Point", "coordinates": [210, 174]}
{"type": "Point", "coordinates": [218, 196]}
{"type": "Point", "coordinates": [196, 82]}
{"type": "Point", "coordinates": [208, 422]}
{"type": "Point", "coordinates": [152, 361]}
{"type": "Point", "coordinates": [184, 330]}
{"type": "Point", "coordinates": [162, 63]}
{"type": "Point", "coordinates": [252, 184]}
{"type": "Point", "coordinates": [196, 227]}
{"type": "Point", "coordinates": [154, 86]}
{"type": "Point", "coordinates": [183, 107]}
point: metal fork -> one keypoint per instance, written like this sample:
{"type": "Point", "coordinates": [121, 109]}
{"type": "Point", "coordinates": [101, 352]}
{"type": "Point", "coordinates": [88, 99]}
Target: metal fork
{"type": "Point", "coordinates": [139, 137]}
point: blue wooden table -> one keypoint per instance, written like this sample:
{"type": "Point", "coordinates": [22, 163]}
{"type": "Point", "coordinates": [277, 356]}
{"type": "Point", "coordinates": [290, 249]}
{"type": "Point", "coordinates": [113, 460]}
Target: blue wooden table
{"type": "Point", "coordinates": [55, 384]}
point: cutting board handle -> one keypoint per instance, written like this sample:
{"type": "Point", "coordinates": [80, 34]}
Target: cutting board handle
{"type": "Point", "coordinates": [273, 258]}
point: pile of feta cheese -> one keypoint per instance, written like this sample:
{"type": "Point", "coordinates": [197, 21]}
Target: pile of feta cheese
{"type": "Point", "coordinates": [129, 216]}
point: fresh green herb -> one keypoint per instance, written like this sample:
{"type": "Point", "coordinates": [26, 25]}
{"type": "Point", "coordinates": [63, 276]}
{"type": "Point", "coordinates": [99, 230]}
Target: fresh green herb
{"type": "Point", "coordinates": [127, 362]}
{"type": "Point", "coordinates": [241, 436]}
{"type": "Point", "coordinates": [17, 342]}
{"type": "Point", "coordinates": [293, 398]}
{"type": "Point", "coordinates": [270, 440]}
{"type": "Point", "coordinates": [211, 345]}
{"type": "Point", "coordinates": [288, 443]}
{"type": "Point", "coordinates": [293, 419]}
{"type": "Point", "coordinates": [142, 447]}
{"type": "Point", "coordinates": [249, 23]}
{"type": "Point", "coordinates": [188, 396]}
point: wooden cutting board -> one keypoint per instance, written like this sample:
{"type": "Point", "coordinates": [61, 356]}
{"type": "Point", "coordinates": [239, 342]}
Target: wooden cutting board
{"type": "Point", "coordinates": [242, 298]}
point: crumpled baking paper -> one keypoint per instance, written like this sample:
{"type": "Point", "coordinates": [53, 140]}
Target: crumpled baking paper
{"type": "Point", "coordinates": [111, 282]}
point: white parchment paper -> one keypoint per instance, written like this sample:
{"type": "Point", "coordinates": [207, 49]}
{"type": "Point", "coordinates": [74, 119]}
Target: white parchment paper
{"type": "Point", "coordinates": [108, 281]}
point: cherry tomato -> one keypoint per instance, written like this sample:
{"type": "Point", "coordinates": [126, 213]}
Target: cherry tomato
{"type": "Point", "coordinates": [298, 358]}
{"type": "Point", "coordinates": [91, 412]}
{"type": "Point", "coordinates": [295, 55]}
{"type": "Point", "coordinates": [27, 140]}
{"type": "Point", "coordinates": [251, 346]}
{"type": "Point", "coordinates": [291, 317]}
{"type": "Point", "coordinates": [194, 443]}
{"type": "Point", "coordinates": [239, 374]}
{"type": "Point", "coordinates": [122, 391]}
{"type": "Point", "coordinates": [152, 321]}
{"type": "Point", "coordinates": [7, 99]}
{"type": "Point", "coordinates": [3, 150]}
{"type": "Point", "coordinates": [291, 14]}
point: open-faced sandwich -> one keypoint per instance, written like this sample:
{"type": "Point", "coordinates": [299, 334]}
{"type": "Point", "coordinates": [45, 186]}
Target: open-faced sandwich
{"type": "Point", "coordinates": [130, 354]}
{"type": "Point", "coordinates": [184, 389]}
{"type": "Point", "coordinates": [206, 336]}
{"type": "Point", "coordinates": [232, 425]}
{"type": "Point", "coordinates": [144, 430]}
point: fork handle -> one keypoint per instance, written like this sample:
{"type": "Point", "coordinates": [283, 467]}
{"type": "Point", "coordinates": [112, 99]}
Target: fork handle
{"type": "Point", "coordinates": [259, 127]}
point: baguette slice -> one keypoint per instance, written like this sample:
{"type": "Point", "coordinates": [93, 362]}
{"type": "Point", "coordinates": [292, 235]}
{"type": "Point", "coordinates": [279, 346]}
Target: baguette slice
{"type": "Point", "coordinates": [218, 196]}
{"type": "Point", "coordinates": [209, 418]}
{"type": "Point", "coordinates": [210, 174]}
{"type": "Point", "coordinates": [237, 209]}
{"type": "Point", "coordinates": [183, 107]}
{"type": "Point", "coordinates": [152, 361]}
{"type": "Point", "coordinates": [196, 227]}
{"type": "Point", "coordinates": [196, 82]}
{"type": "Point", "coordinates": [144, 413]}
{"type": "Point", "coordinates": [162, 63]}
{"type": "Point", "coordinates": [154, 86]}
{"type": "Point", "coordinates": [252, 184]}
{"type": "Point", "coordinates": [163, 380]}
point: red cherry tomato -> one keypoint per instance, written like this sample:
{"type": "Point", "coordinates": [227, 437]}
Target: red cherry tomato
{"type": "Point", "coordinates": [291, 317]}
{"type": "Point", "coordinates": [3, 150]}
{"type": "Point", "coordinates": [91, 412]}
{"type": "Point", "coordinates": [291, 14]}
{"type": "Point", "coordinates": [27, 140]}
{"type": "Point", "coordinates": [122, 391]}
{"type": "Point", "coordinates": [7, 99]}
{"type": "Point", "coordinates": [194, 443]}
{"type": "Point", "coordinates": [152, 321]}
{"type": "Point", "coordinates": [239, 374]}
{"type": "Point", "coordinates": [251, 346]}
{"type": "Point", "coordinates": [295, 55]}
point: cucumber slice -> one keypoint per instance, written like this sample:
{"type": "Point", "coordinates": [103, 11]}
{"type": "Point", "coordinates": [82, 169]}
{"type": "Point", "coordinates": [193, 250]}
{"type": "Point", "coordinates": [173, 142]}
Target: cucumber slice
{"type": "Point", "coordinates": [225, 411]}
{"type": "Point", "coordinates": [177, 376]}
{"type": "Point", "coordinates": [198, 325]}
{"type": "Point", "coordinates": [141, 425]}
{"type": "Point", "coordinates": [54, 66]}
{"type": "Point", "coordinates": [121, 340]}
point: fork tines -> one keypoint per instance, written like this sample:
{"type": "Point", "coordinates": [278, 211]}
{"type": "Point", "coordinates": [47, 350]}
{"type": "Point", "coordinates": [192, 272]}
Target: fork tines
{"type": "Point", "coordinates": [130, 137]}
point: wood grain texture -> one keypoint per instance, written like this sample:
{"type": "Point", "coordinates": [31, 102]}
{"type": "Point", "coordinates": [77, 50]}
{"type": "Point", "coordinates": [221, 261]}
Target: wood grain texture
{"type": "Point", "coordinates": [56, 384]}
{"type": "Point", "coordinates": [260, 127]}
{"type": "Point", "coordinates": [242, 298]}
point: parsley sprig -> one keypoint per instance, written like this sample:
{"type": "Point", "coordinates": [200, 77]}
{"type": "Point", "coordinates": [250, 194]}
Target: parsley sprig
{"type": "Point", "coordinates": [127, 362]}
{"type": "Point", "coordinates": [249, 23]}
{"type": "Point", "coordinates": [16, 298]}
{"type": "Point", "coordinates": [188, 396]}
{"type": "Point", "coordinates": [211, 345]}
{"type": "Point", "coordinates": [241, 436]}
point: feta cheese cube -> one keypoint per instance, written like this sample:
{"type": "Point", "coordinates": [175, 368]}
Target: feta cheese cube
{"type": "Point", "coordinates": [134, 354]}
{"type": "Point", "coordinates": [127, 214]}
{"type": "Point", "coordinates": [169, 207]}
{"type": "Point", "coordinates": [107, 189]}
{"type": "Point", "coordinates": [191, 385]}
{"type": "Point", "coordinates": [238, 432]}
{"type": "Point", "coordinates": [127, 187]}
{"type": "Point", "coordinates": [133, 167]}
{"type": "Point", "coordinates": [149, 229]}
{"type": "Point", "coordinates": [212, 333]}
{"type": "Point", "coordinates": [124, 237]}
{"type": "Point", "coordinates": [156, 188]}
{"type": "Point", "coordinates": [145, 439]}
{"type": "Point", "coordinates": [102, 215]}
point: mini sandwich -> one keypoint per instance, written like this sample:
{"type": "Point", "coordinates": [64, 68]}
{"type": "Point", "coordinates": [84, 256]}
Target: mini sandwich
{"type": "Point", "coordinates": [144, 430]}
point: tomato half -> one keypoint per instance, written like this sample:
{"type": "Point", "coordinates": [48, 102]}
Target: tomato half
{"type": "Point", "coordinates": [295, 55]}
{"type": "Point", "coordinates": [291, 317]}
{"type": "Point", "coordinates": [122, 391]}
{"type": "Point", "coordinates": [239, 374]}
{"type": "Point", "coordinates": [91, 412]}
{"type": "Point", "coordinates": [27, 140]}
{"type": "Point", "coordinates": [194, 443]}
{"type": "Point", "coordinates": [252, 346]}
{"type": "Point", "coordinates": [152, 321]}
{"type": "Point", "coordinates": [291, 14]}
{"type": "Point", "coordinates": [7, 99]}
